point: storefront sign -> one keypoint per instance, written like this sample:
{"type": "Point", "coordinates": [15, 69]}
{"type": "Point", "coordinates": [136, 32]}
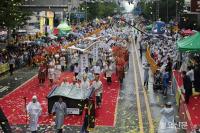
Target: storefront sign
{"type": "Point", "coordinates": [74, 111]}
{"type": "Point", "coordinates": [195, 5]}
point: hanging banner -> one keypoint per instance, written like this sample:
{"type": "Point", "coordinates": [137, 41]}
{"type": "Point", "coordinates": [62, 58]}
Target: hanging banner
{"type": "Point", "coordinates": [95, 52]}
{"type": "Point", "coordinates": [84, 61]}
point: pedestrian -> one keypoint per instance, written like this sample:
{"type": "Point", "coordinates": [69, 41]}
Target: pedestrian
{"type": "Point", "coordinates": [166, 124]}
{"type": "Point", "coordinates": [108, 71]}
{"type": "Point", "coordinates": [96, 69]}
{"type": "Point", "coordinates": [76, 70]}
{"type": "Point", "coordinates": [140, 49]}
{"type": "Point", "coordinates": [89, 116]}
{"type": "Point", "coordinates": [165, 82]}
{"type": "Point", "coordinates": [85, 85]}
{"type": "Point", "coordinates": [34, 111]}
{"type": "Point", "coordinates": [190, 73]}
{"type": "Point", "coordinates": [42, 74]}
{"type": "Point", "coordinates": [4, 122]}
{"type": "Point", "coordinates": [63, 63]}
{"type": "Point", "coordinates": [59, 110]}
{"type": "Point", "coordinates": [146, 75]}
{"type": "Point", "coordinates": [187, 84]}
{"type": "Point", "coordinates": [135, 39]}
{"type": "Point", "coordinates": [51, 74]}
{"type": "Point", "coordinates": [97, 84]}
{"type": "Point", "coordinates": [11, 65]}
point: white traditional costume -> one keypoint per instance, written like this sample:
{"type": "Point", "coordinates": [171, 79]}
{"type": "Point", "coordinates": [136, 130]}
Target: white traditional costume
{"type": "Point", "coordinates": [34, 111]}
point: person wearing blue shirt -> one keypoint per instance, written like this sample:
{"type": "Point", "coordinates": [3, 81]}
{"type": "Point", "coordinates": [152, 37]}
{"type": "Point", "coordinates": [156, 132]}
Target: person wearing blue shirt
{"type": "Point", "coordinates": [165, 80]}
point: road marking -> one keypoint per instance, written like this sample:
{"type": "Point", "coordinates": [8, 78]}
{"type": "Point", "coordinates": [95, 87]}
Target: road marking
{"type": "Point", "coordinates": [137, 97]}
{"type": "Point", "coordinates": [149, 116]}
{"type": "Point", "coordinates": [3, 89]}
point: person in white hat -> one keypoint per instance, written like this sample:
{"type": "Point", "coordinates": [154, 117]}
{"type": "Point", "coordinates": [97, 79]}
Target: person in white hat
{"type": "Point", "coordinates": [34, 111]}
{"type": "Point", "coordinates": [166, 124]}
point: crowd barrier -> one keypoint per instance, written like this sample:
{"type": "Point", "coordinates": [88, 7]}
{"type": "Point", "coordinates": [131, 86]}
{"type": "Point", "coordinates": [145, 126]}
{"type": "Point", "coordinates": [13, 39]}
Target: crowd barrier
{"type": "Point", "coordinates": [4, 68]}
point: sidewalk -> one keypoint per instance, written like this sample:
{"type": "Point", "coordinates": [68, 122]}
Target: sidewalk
{"type": "Point", "coordinates": [9, 83]}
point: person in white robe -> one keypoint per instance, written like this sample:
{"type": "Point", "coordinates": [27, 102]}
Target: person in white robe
{"type": "Point", "coordinates": [51, 74]}
{"type": "Point", "coordinates": [97, 84]}
{"type": "Point", "coordinates": [59, 110]}
{"type": "Point", "coordinates": [74, 84]}
{"type": "Point", "coordinates": [96, 69]}
{"type": "Point", "coordinates": [57, 71]}
{"type": "Point", "coordinates": [85, 84]}
{"type": "Point", "coordinates": [166, 124]}
{"type": "Point", "coordinates": [34, 111]}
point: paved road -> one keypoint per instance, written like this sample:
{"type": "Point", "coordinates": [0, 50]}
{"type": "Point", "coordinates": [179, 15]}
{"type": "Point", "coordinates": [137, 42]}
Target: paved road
{"type": "Point", "coordinates": [9, 83]}
{"type": "Point", "coordinates": [137, 110]}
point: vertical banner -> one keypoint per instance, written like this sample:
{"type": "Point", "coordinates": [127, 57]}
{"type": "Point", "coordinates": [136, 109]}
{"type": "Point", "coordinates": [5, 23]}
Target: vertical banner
{"type": "Point", "coordinates": [95, 52]}
{"type": "Point", "coordinates": [84, 61]}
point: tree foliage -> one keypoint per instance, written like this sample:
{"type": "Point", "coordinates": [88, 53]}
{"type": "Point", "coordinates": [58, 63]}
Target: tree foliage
{"type": "Point", "coordinates": [12, 15]}
{"type": "Point", "coordinates": [151, 6]}
{"type": "Point", "coordinates": [100, 10]}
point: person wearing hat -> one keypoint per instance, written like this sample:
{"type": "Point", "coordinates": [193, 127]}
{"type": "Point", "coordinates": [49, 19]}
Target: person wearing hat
{"type": "Point", "coordinates": [34, 111]}
{"type": "Point", "coordinates": [166, 124]}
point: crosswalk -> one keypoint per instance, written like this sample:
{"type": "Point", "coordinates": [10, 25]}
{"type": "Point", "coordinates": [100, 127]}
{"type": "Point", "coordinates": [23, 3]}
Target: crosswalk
{"type": "Point", "coordinates": [3, 88]}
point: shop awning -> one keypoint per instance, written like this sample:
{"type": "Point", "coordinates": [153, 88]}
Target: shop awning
{"type": "Point", "coordinates": [190, 44]}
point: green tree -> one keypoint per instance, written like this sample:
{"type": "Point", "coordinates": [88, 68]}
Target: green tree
{"type": "Point", "coordinates": [100, 9]}
{"type": "Point", "coordinates": [12, 15]}
{"type": "Point", "coordinates": [165, 7]}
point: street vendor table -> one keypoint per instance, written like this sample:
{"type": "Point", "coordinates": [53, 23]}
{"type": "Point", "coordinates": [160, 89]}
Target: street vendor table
{"type": "Point", "coordinates": [72, 96]}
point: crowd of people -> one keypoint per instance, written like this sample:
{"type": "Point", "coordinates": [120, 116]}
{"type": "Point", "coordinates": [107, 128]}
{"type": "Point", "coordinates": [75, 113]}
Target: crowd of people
{"type": "Point", "coordinates": [112, 56]}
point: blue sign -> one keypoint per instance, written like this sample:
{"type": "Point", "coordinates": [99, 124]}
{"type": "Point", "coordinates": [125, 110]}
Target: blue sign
{"type": "Point", "coordinates": [80, 15]}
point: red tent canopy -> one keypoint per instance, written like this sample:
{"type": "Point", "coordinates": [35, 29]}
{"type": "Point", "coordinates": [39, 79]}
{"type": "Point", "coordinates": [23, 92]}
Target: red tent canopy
{"type": "Point", "coordinates": [187, 32]}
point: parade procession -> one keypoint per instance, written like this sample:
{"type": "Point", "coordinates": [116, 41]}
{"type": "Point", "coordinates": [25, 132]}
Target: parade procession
{"type": "Point", "coordinates": [95, 66]}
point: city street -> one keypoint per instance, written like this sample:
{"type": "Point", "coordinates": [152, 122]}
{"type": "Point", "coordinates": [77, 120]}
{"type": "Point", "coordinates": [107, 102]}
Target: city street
{"type": "Point", "coordinates": [138, 109]}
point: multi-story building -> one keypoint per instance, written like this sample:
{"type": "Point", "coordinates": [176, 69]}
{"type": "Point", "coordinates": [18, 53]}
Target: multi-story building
{"type": "Point", "coordinates": [49, 13]}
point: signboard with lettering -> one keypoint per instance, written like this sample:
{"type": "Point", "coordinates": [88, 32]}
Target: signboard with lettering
{"type": "Point", "coordinates": [195, 5]}
{"type": "Point", "coordinates": [74, 111]}
{"type": "Point", "coordinates": [84, 61]}
{"type": "Point", "coordinates": [95, 52]}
